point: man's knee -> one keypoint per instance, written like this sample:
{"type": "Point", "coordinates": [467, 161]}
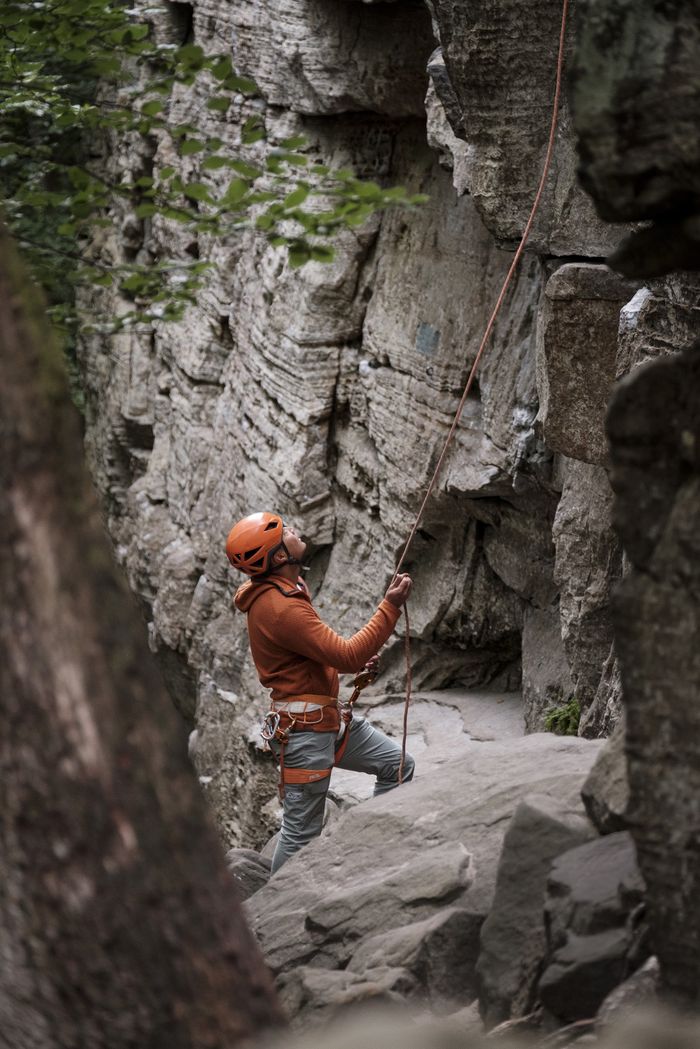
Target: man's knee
{"type": "Point", "coordinates": [392, 772]}
{"type": "Point", "coordinates": [409, 767]}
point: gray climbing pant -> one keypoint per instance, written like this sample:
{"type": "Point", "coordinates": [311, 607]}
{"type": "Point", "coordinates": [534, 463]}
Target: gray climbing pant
{"type": "Point", "coordinates": [368, 750]}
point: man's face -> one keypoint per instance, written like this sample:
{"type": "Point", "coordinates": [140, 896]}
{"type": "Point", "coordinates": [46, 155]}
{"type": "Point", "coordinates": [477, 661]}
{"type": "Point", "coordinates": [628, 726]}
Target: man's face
{"type": "Point", "coordinates": [294, 544]}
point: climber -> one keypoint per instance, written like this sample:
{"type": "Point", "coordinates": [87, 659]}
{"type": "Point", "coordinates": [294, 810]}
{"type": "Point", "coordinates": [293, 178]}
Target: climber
{"type": "Point", "coordinates": [298, 658]}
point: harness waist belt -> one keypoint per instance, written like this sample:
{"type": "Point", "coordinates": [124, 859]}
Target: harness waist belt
{"type": "Point", "coordinates": [300, 704]}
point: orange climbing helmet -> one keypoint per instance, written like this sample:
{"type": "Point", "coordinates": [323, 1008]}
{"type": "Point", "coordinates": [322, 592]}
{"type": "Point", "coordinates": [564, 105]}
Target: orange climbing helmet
{"type": "Point", "coordinates": [253, 542]}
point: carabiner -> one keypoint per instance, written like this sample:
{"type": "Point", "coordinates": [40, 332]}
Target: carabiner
{"type": "Point", "coordinates": [270, 726]}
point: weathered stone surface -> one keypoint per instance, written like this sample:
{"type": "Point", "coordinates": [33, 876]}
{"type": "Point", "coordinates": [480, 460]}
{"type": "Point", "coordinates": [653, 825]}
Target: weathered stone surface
{"type": "Point", "coordinates": [606, 790]}
{"type": "Point", "coordinates": [547, 681]}
{"type": "Point", "coordinates": [662, 317]}
{"type": "Point", "coordinates": [655, 436]}
{"type": "Point", "coordinates": [601, 717]}
{"type": "Point", "coordinates": [636, 95]}
{"type": "Point", "coordinates": [513, 935]}
{"type": "Point", "coordinates": [501, 63]}
{"type": "Point", "coordinates": [453, 153]}
{"type": "Point", "coordinates": [250, 870]}
{"type": "Point", "coordinates": [334, 57]}
{"type": "Point", "coordinates": [638, 991]}
{"type": "Point", "coordinates": [404, 857]}
{"type": "Point", "coordinates": [576, 357]}
{"type": "Point", "coordinates": [437, 951]}
{"type": "Point", "coordinates": [311, 996]}
{"type": "Point", "coordinates": [596, 934]}
{"type": "Point", "coordinates": [588, 566]}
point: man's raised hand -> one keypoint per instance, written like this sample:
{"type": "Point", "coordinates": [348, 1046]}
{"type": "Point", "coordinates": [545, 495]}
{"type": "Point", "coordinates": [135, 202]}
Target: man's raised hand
{"type": "Point", "coordinates": [399, 590]}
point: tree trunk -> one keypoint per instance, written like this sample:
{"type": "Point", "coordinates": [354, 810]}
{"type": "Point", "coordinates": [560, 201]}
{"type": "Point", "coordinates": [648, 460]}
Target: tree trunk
{"type": "Point", "coordinates": [119, 923]}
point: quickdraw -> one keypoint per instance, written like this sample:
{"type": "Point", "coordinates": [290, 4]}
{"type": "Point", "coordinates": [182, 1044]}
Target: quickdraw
{"type": "Point", "coordinates": [315, 714]}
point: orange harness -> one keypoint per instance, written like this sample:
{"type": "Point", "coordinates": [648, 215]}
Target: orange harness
{"type": "Point", "coordinates": [310, 714]}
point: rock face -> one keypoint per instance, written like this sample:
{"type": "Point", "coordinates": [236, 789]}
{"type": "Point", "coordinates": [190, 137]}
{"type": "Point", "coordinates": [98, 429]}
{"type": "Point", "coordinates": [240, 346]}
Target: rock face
{"type": "Point", "coordinates": [636, 64]}
{"type": "Point", "coordinates": [606, 791]}
{"type": "Point", "coordinates": [594, 917]}
{"type": "Point", "coordinates": [655, 436]}
{"type": "Point", "coordinates": [326, 393]}
{"type": "Point", "coordinates": [513, 935]}
{"type": "Point", "coordinates": [394, 894]}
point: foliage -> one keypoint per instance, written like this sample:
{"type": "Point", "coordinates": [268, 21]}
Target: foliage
{"type": "Point", "coordinates": [564, 720]}
{"type": "Point", "coordinates": [74, 73]}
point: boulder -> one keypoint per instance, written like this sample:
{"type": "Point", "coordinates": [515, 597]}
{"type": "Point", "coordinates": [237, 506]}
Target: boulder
{"type": "Point", "coordinates": [513, 936]}
{"type": "Point", "coordinates": [311, 996]}
{"type": "Point", "coordinates": [606, 790]}
{"type": "Point", "coordinates": [588, 566]}
{"type": "Point", "coordinates": [596, 935]}
{"type": "Point", "coordinates": [437, 951]}
{"type": "Point", "coordinates": [655, 441]}
{"type": "Point", "coordinates": [636, 94]}
{"type": "Point", "coordinates": [546, 673]}
{"type": "Point", "coordinates": [393, 865]}
{"type": "Point", "coordinates": [576, 357]}
{"type": "Point", "coordinates": [250, 870]}
{"type": "Point", "coordinates": [640, 990]}
{"type": "Point", "coordinates": [601, 717]}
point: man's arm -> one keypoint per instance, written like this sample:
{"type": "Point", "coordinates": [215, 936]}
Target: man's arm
{"type": "Point", "coordinates": [299, 629]}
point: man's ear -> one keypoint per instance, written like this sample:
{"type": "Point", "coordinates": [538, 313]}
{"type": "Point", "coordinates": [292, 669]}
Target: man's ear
{"type": "Point", "coordinates": [278, 557]}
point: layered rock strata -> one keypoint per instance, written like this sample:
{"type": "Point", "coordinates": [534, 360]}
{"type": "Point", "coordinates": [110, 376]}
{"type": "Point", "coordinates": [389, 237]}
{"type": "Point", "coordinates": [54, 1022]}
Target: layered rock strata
{"type": "Point", "coordinates": [326, 393]}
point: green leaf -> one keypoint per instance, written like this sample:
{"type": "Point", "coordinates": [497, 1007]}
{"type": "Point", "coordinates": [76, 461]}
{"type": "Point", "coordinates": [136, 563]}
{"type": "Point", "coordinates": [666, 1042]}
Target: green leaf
{"type": "Point", "coordinates": [419, 198]}
{"type": "Point", "coordinates": [250, 137]}
{"type": "Point", "coordinates": [152, 108]}
{"type": "Point", "coordinates": [144, 211]}
{"type": "Point", "coordinates": [247, 170]}
{"type": "Point", "coordinates": [212, 163]}
{"type": "Point", "coordinates": [322, 253]}
{"type": "Point", "coordinates": [222, 68]}
{"type": "Point", "coordinates": [134, 282]}
{"type": "Point", "coordinates": [243, 85]}
{"type": "Point", "coordinates": [197, 191]}
{"type": "Point", "coordinates": [235, 192]}
{"type": "Point", "coordinates": [166, 172]}
{"type": "Point", "coordinates": [190, 54]}
{"type": "Point", "coordinates": [298, 196]}
{"type": "Point", "coordinates": [220, 104]}
{"type": "Point", "coordinates": [299, 254]}
{"type": "Point", "coordinates": [190, 146]}
{"type": "Point", "coordinates": [295, 142]}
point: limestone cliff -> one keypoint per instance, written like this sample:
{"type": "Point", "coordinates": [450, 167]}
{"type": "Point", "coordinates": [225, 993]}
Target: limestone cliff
{"type": "Point", "coordinates": [326, 393]}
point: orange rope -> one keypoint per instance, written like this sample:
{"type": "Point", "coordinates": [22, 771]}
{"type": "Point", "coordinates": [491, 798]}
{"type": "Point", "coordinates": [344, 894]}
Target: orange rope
{"type": "Point", "coordinates": [482, 347]}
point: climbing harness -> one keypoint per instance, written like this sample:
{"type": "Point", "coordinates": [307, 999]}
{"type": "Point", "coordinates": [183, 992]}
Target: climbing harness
{"type": "Point", "coordinates": [310, 713]}
{"type": "Point", "coordinates": [475, 365]}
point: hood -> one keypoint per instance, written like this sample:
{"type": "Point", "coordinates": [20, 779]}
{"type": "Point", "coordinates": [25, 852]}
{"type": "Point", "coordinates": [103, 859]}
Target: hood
{"type": "Point", "coordinates": [247, 594]}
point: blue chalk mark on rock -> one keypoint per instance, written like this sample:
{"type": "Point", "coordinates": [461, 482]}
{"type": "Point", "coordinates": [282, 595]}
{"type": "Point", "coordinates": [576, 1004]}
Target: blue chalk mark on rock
{"type": "Point", "coordinates": [427, 339]}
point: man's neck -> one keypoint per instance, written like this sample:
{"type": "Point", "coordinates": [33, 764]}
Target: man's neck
{"type": "Point", "coordinates": [290, 572]}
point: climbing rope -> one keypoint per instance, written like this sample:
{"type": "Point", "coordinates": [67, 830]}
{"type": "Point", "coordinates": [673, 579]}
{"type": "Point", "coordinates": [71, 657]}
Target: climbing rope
{"type": "Point", "coordinates": [475, 365]}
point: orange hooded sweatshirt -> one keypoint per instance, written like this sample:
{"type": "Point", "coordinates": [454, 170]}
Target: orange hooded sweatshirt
{"type": "Point", "coordinates": [294, 652]}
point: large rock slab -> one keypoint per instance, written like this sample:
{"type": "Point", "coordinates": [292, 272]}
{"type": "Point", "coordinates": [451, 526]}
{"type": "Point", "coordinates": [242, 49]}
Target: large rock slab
{"type": "Point", "coordinates": [606, 790]}
{"type": "Point", "coordinates": [654, 428]}
{"type": "Point", "coordinates": [636, 96]}
{"type": "Point", "coordinates": [588, 566]}
{"type": "Point", "coordinates": [501, 62]}
{"type": "Point", "coordinates": [513, 942]}
{"type": "Point", "coordinates": [594, 917]}
{"type": "Point", "coordinates": [331, 56]}
{"type": "Point", "coordinates": [576, 357]}
{"type": "Point", "coordinates": [405, 858]}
